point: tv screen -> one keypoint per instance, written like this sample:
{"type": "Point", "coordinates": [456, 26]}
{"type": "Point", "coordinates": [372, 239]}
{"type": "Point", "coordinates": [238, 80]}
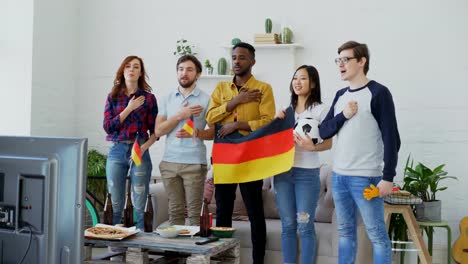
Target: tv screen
{"type": "Point", "coordinates": [42, 190]}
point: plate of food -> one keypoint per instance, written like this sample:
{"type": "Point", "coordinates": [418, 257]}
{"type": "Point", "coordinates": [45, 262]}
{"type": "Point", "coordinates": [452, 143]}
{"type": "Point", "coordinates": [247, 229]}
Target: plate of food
{"type": "Point", "coordinates": [109, 232]}
{"type": "Point", "coordinates": [187, 230]}
{"type": "Point", "coordinates": [167, 231]}
{"type": "Point", "coordinates": [224, 232]}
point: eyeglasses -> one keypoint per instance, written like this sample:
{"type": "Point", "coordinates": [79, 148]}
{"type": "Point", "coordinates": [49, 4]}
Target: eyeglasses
{"type": "Point", "coordinates": [343, 60]}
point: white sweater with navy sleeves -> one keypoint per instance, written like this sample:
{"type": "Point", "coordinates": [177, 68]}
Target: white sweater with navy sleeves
{"type": "Point", "coordinates": [367, 144]}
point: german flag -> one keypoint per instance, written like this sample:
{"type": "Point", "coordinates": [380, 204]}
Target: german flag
{"type": "Point", "coordinates": [263, 153]}
{"type": "Point", "coordinates": [136, 153]}
{"type": "Point", "coordinates": [189, 126]}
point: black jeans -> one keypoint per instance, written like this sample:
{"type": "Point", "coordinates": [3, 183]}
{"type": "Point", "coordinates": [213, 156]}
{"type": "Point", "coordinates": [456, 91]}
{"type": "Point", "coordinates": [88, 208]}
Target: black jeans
{"type": "Point", "coordinates": [225, 195]}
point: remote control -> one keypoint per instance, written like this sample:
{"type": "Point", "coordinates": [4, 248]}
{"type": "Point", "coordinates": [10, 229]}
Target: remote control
{"type": "Point", "coordinates": [206, 241]}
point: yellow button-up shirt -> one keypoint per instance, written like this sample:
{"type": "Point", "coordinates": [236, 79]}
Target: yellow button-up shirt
{"type": "Point", "coordinates": [256, 114]}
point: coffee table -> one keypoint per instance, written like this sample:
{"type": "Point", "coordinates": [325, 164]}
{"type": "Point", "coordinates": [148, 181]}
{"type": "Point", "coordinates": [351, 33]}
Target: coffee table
{"type": "Point", "coordinates": [226, 249]}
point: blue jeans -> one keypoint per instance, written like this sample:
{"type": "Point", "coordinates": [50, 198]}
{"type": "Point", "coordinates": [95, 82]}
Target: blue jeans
{"type": "Point", "coordinates": [297, 193]}
{"type": "Point", "coordinates": [118, 163]}
{"type": "Point", "coordinates": [347, 194]}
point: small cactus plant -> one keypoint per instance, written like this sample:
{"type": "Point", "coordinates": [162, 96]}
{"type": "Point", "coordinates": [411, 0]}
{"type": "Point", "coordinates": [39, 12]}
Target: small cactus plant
{"type": "Point", "coordinates": [268, 25]}
{"type": "Point", "coordinates": [235, 41]}
{"type": "Point", "coordinates": [286, 35]}
{"type": "Point", "coordinates": [222, 66]}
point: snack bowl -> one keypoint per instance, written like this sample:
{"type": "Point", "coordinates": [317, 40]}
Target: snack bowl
{"type": "Point", "coordinates": [168, 231]}
{"type": "Point", "coordinates": [223, 232]}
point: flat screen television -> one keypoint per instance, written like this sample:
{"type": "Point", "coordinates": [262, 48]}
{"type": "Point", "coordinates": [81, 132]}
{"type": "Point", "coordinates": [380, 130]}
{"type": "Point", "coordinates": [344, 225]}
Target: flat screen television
{"type": "Point", "coordinates": [42, 199]}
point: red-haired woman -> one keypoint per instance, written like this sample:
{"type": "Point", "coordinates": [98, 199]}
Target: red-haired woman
{"type": "Point", "coordinates": [130, 112]}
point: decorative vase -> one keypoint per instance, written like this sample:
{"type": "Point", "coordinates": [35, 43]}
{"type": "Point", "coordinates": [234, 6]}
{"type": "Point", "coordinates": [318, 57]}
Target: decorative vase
{"type": "Point", "coordinates": [429, 211]}
{"type": "Point", "coordinates": [209, 71]}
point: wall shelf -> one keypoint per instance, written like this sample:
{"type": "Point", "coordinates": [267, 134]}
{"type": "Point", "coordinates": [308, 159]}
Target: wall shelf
{"type": "Point", "coordinates": [275, 64]}
{"type": "Point", "coordinates": [216, 76]}
{"type": "Point", "coordinates": [291, 46]}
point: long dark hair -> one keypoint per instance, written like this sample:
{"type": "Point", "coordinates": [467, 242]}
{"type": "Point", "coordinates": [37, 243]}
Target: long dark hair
{"type": "Point", "coordinates": [314, 82]}
{"type": "Point", "coordinates": [119, 81]}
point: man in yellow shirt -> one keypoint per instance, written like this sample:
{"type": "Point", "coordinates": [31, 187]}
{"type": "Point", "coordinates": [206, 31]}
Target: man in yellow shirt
{"type": "Point", "coordinates": [244, 104]}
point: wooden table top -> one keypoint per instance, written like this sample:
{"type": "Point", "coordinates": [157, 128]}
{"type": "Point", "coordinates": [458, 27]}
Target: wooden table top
{"type": "Point", "coordinates": [154, 241]}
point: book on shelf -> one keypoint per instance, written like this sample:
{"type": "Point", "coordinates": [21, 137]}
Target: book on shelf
{"type": "Point", "coordinates": [266, 36]}
{"type": "Point", "coordinates": [270, 38]}
{"type": "Point", "coordinates": [256, 41]}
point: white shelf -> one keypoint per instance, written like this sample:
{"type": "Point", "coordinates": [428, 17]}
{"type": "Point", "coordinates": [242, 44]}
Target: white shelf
{"type": "Point", "coordinates": [215, 76]}
{"type": "Point", "coordinates": [273, 46]}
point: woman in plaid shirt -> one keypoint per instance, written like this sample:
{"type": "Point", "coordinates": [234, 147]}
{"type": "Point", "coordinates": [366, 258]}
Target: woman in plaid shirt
{"type": "Point", "coordinates": [130, 111]}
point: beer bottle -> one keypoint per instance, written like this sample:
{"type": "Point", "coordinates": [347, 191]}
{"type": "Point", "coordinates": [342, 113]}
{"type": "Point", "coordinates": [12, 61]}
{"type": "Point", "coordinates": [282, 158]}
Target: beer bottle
{"type": "Point", "coordinates": [128, 211]}
{"type": "Point", "coordinates": [205, 220]}
{"type": "Point", "coordinates": [108, 211]}
{"type": "Point", "coordinates": [148, 215]}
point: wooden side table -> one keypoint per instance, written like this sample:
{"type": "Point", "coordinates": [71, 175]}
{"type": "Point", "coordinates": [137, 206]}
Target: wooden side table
{"type": "Point", "coordinates": [413, 228]}
{"type": "Point", "coordinates": [430, 230]}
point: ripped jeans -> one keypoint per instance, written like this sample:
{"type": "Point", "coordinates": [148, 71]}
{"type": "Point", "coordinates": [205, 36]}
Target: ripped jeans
{"type": "Point", "coordinates": [116, 171]}
{"type": "Point", "coordinates": [297, 193]}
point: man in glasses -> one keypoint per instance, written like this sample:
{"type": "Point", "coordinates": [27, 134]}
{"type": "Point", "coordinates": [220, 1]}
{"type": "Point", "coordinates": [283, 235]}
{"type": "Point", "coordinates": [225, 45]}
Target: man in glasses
{"type": "Point", "coordinates": [362, 117]}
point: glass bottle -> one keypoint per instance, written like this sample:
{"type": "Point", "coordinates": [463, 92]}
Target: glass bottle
{"type": "Point", "coordinates": [128, 211]}
{"type": "Point", "coordinates": [108, 211]}
{"type": "Point", "coordinates": [148, 215]}
{"type": "Point", "coordinates": [205, 220]}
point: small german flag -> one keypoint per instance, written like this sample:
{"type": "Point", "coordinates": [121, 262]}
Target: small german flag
{"type": "Point", "coordinates": [136, 153]}
{"type": "Point", "coordinates": [189, 125]}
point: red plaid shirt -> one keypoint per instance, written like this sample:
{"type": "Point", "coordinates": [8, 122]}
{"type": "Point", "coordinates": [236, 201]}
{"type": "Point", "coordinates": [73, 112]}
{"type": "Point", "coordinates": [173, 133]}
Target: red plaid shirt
{"type": "Point", "coordinates": [140, 121]}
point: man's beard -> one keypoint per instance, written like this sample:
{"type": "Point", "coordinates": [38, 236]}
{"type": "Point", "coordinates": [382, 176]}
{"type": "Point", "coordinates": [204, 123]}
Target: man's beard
{"type": "Point", "coordinates": [188, 84]}
{"type": "Point", "coordinates": [243, 72]}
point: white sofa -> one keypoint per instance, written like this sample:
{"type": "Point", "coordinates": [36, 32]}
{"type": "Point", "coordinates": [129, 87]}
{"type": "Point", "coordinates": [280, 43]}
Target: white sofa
{"type": "Point", "coordinates": [325, 226]}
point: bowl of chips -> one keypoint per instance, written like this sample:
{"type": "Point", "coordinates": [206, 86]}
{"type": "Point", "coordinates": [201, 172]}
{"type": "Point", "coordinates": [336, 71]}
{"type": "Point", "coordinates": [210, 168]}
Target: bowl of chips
{"type": "Point", "coordinates": [223, 232]}
{"type": "Point", "coordinates": [168, 231]}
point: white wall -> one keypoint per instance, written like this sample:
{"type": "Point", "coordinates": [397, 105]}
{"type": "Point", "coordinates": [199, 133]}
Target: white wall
{"type": "Point", "coordinates": [55, 68]}
{"type": "Point", "coordinates": [417, 50]}
{"type": "Point", "coordinates": [16, 27]}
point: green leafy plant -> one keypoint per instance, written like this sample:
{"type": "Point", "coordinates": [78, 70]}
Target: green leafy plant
{"type": "Point", "coordinates": [184, 48]}
{"type": "Point", "coordinates": [97, 183]}
{"type": "Point", "coordinates": [208, 64]}
{"type": "Point", "coordinates": [398, 231]}
{"type": "Point", "coordinates": [423, 181]}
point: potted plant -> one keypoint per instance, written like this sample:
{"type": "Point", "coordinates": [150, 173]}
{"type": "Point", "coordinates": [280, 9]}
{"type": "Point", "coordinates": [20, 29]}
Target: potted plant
{"type": "Point", "coordinates": [97, 184]}
{"type": "Point", "coordinates": [184, 48]}
{"type": "Point", "coordinates": [208, 67]}
{"type": "Point", "coordinates": [424, 182]}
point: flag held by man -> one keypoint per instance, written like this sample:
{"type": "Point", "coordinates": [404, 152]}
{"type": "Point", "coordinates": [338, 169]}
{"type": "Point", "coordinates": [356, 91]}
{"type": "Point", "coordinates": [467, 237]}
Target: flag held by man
{"type": "Point", "coordinates": [261, 154]}
{"type": "Point", "coordinates": [189, 126]}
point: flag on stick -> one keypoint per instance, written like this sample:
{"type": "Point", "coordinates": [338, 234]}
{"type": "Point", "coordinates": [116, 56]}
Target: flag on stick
{"type": "Point", "coordinates": [263, 153]}
{"type": "Point", "coordinates": [189, 125]}
{"type": "Point", "coordinates": [136, 153]}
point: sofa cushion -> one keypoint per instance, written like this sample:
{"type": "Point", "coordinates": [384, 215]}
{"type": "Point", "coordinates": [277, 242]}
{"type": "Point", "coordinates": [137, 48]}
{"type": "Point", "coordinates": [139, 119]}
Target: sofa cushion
{"type": "Point", "coordinates": [239, 212]}
{"type": "Point", "coordinates": [325, 233]}
{"type": "Point", "coordinates": [323, 213]}
{"type": "Point", "coordinates": [325, 205]}
{"type": "Point", "coordinates": [273, 234]}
